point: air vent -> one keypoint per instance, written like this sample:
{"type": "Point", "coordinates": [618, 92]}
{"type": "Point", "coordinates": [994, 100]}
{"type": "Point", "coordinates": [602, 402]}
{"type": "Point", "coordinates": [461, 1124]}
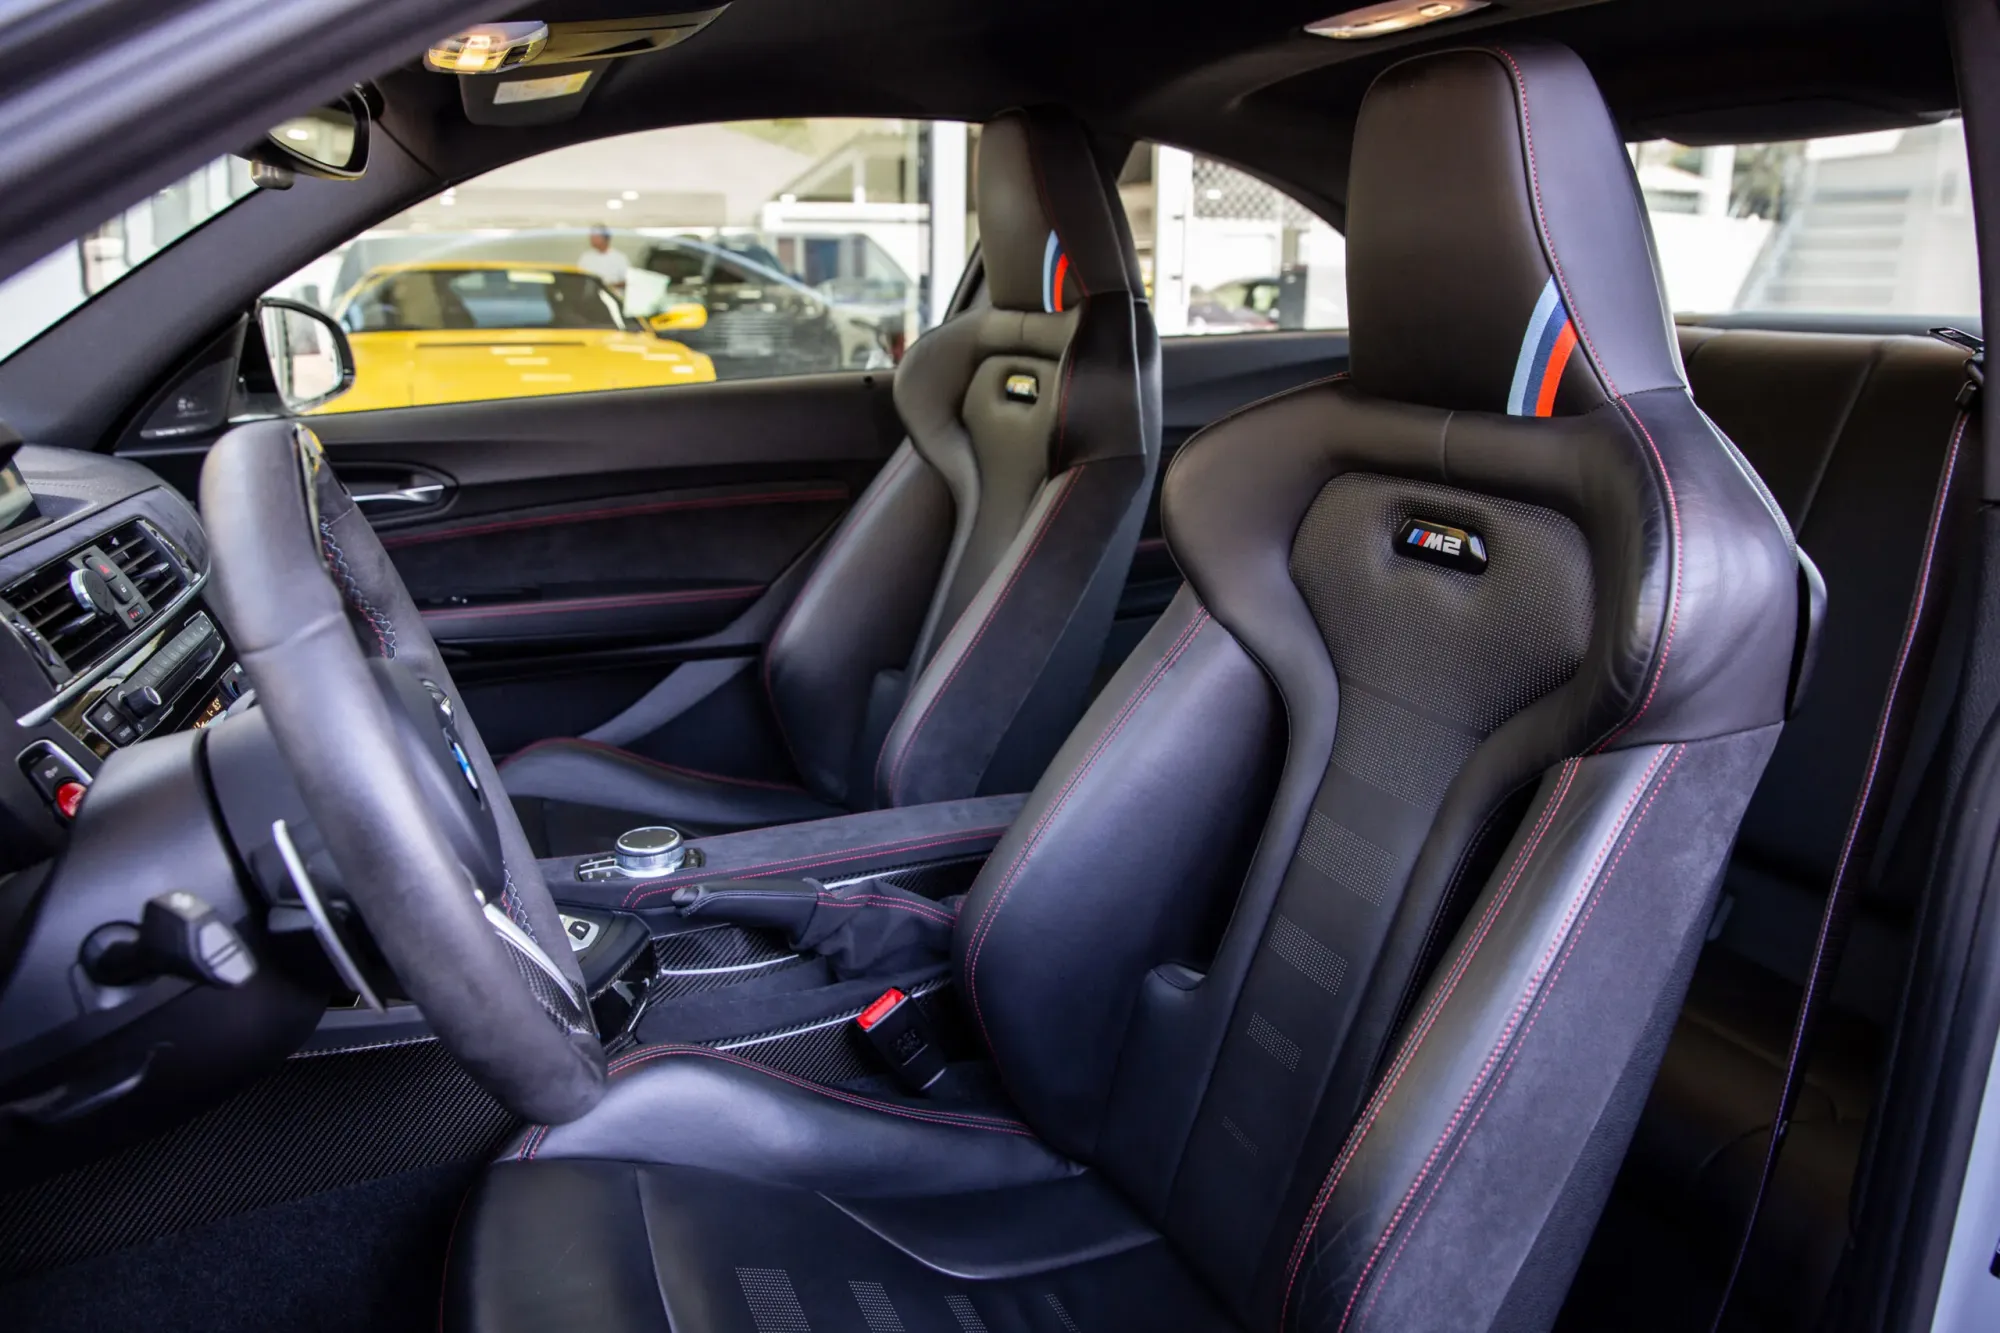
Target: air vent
{"type": "Point", "coordinates": [144, 559]}
{"type": "Point", "coordinates": [55, 617]}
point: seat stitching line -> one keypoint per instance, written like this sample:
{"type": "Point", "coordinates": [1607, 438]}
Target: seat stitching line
{"type": "Point", "coordinates": [948, 1119]}
{"type": "Point", "coordinates": [1453, 885]}
{"type": "Point", "coordinates": [986, 623]}
{"type": "Point", "coordinates": [983, 927]}
{"type": "Point", "coordinates": [1541, 993]}
{"type": "Point", "coordinates": [826, 859]}
{"type": "Point", "coordinates": [1413, 1042]}
{"type": "Point", "coordinates": [894, 905]}
{"type": "Point", "coordinates": [1576, 314]}
{"type": "Point", "coordinates": [1478, 1079]}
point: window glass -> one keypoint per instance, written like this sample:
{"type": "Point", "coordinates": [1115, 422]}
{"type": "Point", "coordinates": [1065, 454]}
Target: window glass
{"type": "Point", "coordinates": [1224, 252]}
{"type": "Point", "coordinates": [678, 256]}
{"type": "Point", "coordinates": [34, 299]}
{"type": "Point", "coordinates": [1861, 224]}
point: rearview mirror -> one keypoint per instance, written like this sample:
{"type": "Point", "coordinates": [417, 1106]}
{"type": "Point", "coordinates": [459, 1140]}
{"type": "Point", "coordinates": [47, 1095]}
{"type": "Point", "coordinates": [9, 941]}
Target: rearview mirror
{"type": "Point", "coordinates": [328, 141]}
{"type": "Point", "coordinates": [311, 360]}
{"type": "Point", "coordinates": [686, 315]}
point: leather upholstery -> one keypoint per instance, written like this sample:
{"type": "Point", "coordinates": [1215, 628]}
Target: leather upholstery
{"type": "Point", "coordinates": [1852, 434]}
{"type": "Point", "coordinates": [1342, 937]}
{"type": "Point", "coordinates": [605, 777]}
{"type": "Point", "coordinates": [1570, 226]}
{"type": "Point", "coordinates": [947, 638]}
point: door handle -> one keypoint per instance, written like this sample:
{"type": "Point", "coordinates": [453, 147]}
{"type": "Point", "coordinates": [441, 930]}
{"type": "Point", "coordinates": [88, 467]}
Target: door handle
{"type": "Point", "coordinates": [429, 493]}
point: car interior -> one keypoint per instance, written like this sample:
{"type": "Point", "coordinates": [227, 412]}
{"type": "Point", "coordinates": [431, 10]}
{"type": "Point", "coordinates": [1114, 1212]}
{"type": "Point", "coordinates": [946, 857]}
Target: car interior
{"type": "Point", "coordinates": [1083, 810]}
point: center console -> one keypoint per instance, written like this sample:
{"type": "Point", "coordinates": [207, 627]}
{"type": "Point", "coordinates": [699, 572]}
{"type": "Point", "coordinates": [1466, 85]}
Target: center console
{"type": "Point", "coordinates": [656, 975]}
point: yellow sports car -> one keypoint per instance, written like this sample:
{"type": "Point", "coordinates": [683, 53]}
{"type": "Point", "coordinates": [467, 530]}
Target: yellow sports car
{"type": "Point", "coordinates": [463, 331]}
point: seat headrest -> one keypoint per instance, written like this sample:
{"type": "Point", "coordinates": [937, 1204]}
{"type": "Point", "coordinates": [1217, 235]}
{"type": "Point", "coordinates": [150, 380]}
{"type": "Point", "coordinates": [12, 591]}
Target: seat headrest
{"type": "Point", "coordinates": [1048, 231]}
{"type": "Point", "coordinates": [1498, 253]}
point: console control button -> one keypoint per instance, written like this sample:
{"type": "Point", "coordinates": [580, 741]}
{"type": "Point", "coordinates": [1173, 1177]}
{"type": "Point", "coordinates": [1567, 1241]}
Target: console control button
{"type": "Point", "coordinates": [651, 851]}
{"type": "Point", "coordinates": [114, 725]}
{"type": "Point", "coordinates": [52, 771]}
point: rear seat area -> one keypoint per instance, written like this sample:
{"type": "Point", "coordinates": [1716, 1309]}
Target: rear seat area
{"type": "Point", "coordinates": [1851, 434]}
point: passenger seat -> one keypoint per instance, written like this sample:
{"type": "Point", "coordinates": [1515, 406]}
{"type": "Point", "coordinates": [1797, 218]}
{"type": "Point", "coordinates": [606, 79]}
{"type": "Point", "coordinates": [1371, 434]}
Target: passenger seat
{"type": "Point", "coordinates": [1850, 433]}
{"type": "Point", "coordinates": [946, 640]}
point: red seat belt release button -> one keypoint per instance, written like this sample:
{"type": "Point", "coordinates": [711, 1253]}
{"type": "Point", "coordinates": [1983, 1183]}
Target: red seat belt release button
{"type": "Point", "coordinates": [896, 1027]}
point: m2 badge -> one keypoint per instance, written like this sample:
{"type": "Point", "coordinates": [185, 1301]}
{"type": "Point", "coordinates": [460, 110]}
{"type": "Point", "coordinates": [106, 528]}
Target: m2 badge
{"type": "Point", "coordinates": [1441, 544]}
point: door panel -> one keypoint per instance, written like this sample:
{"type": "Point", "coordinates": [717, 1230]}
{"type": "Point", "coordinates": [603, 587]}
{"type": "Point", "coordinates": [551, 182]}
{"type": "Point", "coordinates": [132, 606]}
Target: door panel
{"type": "Point", "coordinates": [655, 567]}
{"type": "Point", "coordinates": [583, 546]}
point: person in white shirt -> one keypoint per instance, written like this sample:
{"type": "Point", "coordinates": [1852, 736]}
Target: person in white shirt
{"type": "Point", "coordinates": [603, 263]}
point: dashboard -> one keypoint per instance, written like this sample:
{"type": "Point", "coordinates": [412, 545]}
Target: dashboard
{"type": "Point", "coordinates": [104, 640]}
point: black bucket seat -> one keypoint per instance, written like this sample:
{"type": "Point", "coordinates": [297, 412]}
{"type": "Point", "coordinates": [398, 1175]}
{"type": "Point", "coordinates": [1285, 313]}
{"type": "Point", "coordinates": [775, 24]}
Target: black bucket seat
{"type": "Point", "coordinates": [949, 634]}
{"type": "Point", "coordinates": [1328, 967]}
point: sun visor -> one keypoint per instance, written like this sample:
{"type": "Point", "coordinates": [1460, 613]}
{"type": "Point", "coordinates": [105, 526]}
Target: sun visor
{"type": "Point", "coordinates": [542, 74]}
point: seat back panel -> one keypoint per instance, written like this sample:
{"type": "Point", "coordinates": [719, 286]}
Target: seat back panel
{"type": "Point", "coordinates": [1430, 661]}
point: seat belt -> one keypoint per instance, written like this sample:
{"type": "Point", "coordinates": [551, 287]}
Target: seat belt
{"type": "Point", "coordinates": [1887, 758]}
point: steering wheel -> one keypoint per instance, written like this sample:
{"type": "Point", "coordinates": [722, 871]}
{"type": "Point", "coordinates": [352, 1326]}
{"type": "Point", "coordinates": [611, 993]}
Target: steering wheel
{"type": "Point", "coordinates": [393, 773]}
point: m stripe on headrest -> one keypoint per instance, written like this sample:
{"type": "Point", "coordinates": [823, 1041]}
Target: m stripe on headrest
{"type": "Point", "coordinates": [1545, 352]}
{"type": "Point", "coordinates": [1055, 268]}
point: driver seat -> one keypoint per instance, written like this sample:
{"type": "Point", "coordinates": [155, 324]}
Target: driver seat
{"type": "Point", "coordinates": [1328, 967]}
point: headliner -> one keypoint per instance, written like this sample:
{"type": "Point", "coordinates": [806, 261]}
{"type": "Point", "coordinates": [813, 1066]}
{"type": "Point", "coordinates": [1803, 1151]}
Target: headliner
{"type": "Point", "coordinates": [1244, 85]}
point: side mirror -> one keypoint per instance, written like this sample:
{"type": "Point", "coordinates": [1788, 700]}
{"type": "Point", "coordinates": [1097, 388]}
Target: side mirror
{"type": "Point", "coordinates": [311, 360]}
{"type": "Point", "coordinates": [686, 315]}
{"type": "Point", "coordinates": [328, 141]}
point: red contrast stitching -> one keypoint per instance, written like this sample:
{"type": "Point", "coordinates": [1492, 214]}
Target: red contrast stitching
{"type": "Point", "coordinates": [983, 927]}
{"type": "Point", "coordinates": [1567, 939]}
{"type": "Point", "coordinates": [992, 613]}
{"type": "Point", "coordinates": [936, 914]}
{"type": "Point", "coordinates": [841, 537]}
{"type": "Point", "coordinates": [627, 757]}
{"type": "Point", "coordinates": [1414, 1042]}
{"type": "Point", "coordinates": [617, 603]}
{"type": "Point", "coordinates": [617, 511]}
{"type": "Point", "coordinates": [948, 1119]}
{"type": "Point", "coordinates": [1576, 316]}
{"type": "Point", "coordinates": [635, 896]}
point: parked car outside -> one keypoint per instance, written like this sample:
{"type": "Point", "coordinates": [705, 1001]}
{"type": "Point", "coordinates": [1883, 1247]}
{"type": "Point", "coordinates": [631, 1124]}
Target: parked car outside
{"type": "Point", "coordinates": [761, 320]}
{"type": "Point", "coordinates": [461, 331]}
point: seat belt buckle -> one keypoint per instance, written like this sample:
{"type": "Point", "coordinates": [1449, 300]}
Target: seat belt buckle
{"type": "Point", "coordinates": [896, 1027]}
